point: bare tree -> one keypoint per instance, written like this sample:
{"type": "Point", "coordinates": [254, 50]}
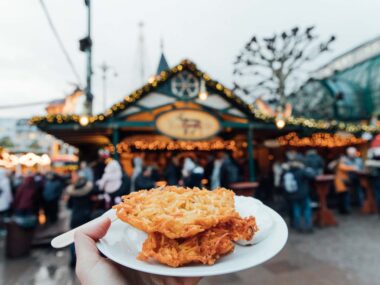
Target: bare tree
{"type": "Point", "coordinates": [272, 68]}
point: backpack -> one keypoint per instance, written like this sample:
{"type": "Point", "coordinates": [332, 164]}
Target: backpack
{"type": "Point", "coordinates": [290, 183]}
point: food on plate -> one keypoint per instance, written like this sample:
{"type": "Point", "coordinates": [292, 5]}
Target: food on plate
{"type": "Point", "coordinates": [205, 247]}
{"type": "Point", "coordinates": [185, 225]}
{"type": "Point", "coordinates": [177, 212]}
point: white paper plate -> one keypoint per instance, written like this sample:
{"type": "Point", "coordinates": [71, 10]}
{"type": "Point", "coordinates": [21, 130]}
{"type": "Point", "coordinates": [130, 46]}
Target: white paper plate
{"type": "Point", "coordinates": [123, 243]}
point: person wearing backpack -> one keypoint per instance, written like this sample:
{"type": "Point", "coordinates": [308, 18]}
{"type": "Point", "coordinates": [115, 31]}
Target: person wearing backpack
{"type": "Point", "coordinates": [296, 183]}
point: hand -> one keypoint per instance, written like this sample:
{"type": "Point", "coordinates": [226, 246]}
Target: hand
{"type": "Point", "coordinates": [92, 269]}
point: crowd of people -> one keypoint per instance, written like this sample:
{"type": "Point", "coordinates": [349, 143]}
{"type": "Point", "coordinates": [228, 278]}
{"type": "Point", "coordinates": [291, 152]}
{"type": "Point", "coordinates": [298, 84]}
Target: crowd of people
{"type": "Point", "coordinates": [294, 177]}
{"type": "Point", "coordinates": [95, 187]}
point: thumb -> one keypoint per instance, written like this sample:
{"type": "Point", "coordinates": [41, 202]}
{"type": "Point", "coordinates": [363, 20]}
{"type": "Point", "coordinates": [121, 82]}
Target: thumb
{"type": "Point", "coordinates": [85, 242]}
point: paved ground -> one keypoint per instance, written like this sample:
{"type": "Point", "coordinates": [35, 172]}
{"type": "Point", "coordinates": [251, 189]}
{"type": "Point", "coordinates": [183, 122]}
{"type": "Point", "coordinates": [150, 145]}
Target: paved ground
{"type": "Point", "coordinates": [348, 254]}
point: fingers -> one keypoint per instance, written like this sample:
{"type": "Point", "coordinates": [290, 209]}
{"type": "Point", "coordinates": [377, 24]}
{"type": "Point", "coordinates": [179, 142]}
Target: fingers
{"type": "Point", "coordinates": [97, 229]}
{"type": "Point", "coordinates": [85, 243]}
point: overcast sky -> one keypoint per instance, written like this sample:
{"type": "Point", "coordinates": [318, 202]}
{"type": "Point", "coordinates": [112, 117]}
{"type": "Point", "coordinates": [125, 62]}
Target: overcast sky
{"type": "Point", "coordinates": [209, 32]}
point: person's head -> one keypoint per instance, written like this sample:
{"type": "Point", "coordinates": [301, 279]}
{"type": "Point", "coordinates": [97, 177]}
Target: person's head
{"type": "Point", "coordinates": [291, 155]}
{"type": "Point", "coordinates": [175, 160]}
{"type": "Point", "coordinates": [50, 175]}
{"type": "Point", "coordinates": [83, 164]}
{"type": "Point", "coordinates": [104, 154]}
{"type": "Point", "coordinates": [352, 152]}
{"type": "Point", "coordinates": [147, 171]}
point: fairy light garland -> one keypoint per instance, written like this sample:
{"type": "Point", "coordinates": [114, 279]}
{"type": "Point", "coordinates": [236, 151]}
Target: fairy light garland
{"type": "Point", "coordinates": [324, 140]}
{"type": "Point", "coordinates": [158, 145]}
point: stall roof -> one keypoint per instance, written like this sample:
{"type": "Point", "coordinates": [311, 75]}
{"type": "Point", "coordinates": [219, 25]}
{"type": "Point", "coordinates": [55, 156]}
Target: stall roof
{"type": "Point", "coordinates": [255, 116]}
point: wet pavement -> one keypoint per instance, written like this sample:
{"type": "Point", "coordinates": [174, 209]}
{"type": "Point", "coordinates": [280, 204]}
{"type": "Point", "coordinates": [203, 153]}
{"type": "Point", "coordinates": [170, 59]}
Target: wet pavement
{"type": "Point", "coordinates": [348, 254]}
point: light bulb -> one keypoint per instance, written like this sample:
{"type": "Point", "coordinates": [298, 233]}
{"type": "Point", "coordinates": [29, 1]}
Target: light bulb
{"type": "Point", "coordinates": [280, 122]}
{"type": "Point", "coordinates": [203, 96]}
{"type": "Point", "coordinates": [203, 91]}
{"type": "Point", "coordinates": [83, 121]}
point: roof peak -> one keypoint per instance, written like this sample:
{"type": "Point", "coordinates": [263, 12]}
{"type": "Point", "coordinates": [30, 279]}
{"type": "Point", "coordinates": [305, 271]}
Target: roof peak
{"type": "Point", "coordinates": [163, 64]}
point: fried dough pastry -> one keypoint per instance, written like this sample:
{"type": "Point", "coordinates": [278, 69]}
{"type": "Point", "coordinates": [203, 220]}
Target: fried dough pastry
{"type": "Point", "coordinates": [177, 212]}
{"type": "Point", "coordinates": [205, 247]}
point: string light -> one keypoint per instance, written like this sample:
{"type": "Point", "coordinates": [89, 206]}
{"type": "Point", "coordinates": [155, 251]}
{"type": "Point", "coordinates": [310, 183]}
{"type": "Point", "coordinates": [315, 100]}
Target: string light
{"type": "Point", "coordinates": [203, 92]}
{"type": "Point", "coordinates": [280, 122]}
{"type": "Point", "coordinates": [325, 140]}
{"type": "Point", "coordinates": [84, 120]}
{"type": "Point", "coordinates": [158, 145]}
{"type": "Point", "coordinates": [28, 160]}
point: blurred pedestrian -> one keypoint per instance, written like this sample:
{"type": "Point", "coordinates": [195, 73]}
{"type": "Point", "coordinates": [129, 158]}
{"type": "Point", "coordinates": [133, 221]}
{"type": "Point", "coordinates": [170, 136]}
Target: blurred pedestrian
{"type": "Point", "coordinates": [345, 169]}
{"type": "Point", "coordinates": [5, 198]}
{"type": "Point", "coordinates": [296, 182]}
{"type": "Point", "coordinates": [99, 165]}
{"type": "Point", "coordinates": [215, 177]}
{"type": "Point", "coordinates": [80, 204]}
{"type": "Point", "coordinates": [145, 179]}
{"type": "Point", "coordinates": [229, 172]}
{"type": "Point", "coordinates": [39, 179]}
{"type": "Point", "coordinates": [357, 189]}
{"type": "Point", "coordinates": [173, 171]}
{"type": "Point", "coordinates": [51, 195]}
{"type": "Point", "coordinates": [87, 171]}
{"type": "Point", "coordinates": [111, 182]}
{"type": "Point", "coordinates": [192, 173]}
{"type": "Point", "coordinates": [138, 164]}
{"type": "Point", "coordinates": [373, 165]}
{"type": "Point", "coordinates": [26, 203]}
{"type": "Point", "coordinates": [315, 161]}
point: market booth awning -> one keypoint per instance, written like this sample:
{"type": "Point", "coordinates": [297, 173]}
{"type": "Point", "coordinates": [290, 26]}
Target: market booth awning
{"type": "Point", "coordinates": [186, 107]}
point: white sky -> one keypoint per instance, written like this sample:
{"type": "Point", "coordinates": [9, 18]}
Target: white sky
{"type": "Point", "coordinates": [209, 32]}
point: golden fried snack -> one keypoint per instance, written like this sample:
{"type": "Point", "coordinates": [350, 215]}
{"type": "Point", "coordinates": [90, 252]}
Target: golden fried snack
{"type": "Point", "coordinates": [177, 212]}
{"type": "Point", "coordinates": [205, 247]}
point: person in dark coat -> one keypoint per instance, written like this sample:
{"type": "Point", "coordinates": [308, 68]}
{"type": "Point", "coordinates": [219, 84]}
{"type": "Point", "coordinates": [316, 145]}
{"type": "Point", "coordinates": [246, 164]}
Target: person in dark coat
{"type": "Point", "coordinates": [26, 201]}
{"type": "Point", "coordinates": [315, 161]}
{"type": "Point", "coordinates": [80, 204]}
{"type": "Point", "coordinates": [229, 172]}
{"type": "Point", "coordinates": [51, 195]}
{"type": "Point", "coordinates": [173, 171]}
{"type": "Point", "coordinates": [145, 179]}
{"type": "Point", "coordinates": [296, 183]}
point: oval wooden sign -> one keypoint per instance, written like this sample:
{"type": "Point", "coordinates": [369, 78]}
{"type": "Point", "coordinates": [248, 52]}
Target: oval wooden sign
{"type": "Point", "coordinates": [187, 124]}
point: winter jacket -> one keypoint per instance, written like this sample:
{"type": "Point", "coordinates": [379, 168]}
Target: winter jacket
{"type": "Point", "coordinates": [229, 173]}
{"type": "Point", "coordinates": [52, 190]}
{"type": "Point", "coordinates": [112, 177]}
{"type": "Point", "coordinates": [26, 199]}
{"type": "Point", "coordinates": [342, 175]}
{"type": "Point", "coordinates": [80, 203]}
{"type": "Point", "coordinates": [315, 162]}
{"type": "Point", "coordinates": [5, 192]}
{"type": "Point", "coordinates": [172, 174]}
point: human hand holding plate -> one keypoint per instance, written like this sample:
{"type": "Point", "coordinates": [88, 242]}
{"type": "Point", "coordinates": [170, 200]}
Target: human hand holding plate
{"type": "Point", "coordinates": [93, 269]}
